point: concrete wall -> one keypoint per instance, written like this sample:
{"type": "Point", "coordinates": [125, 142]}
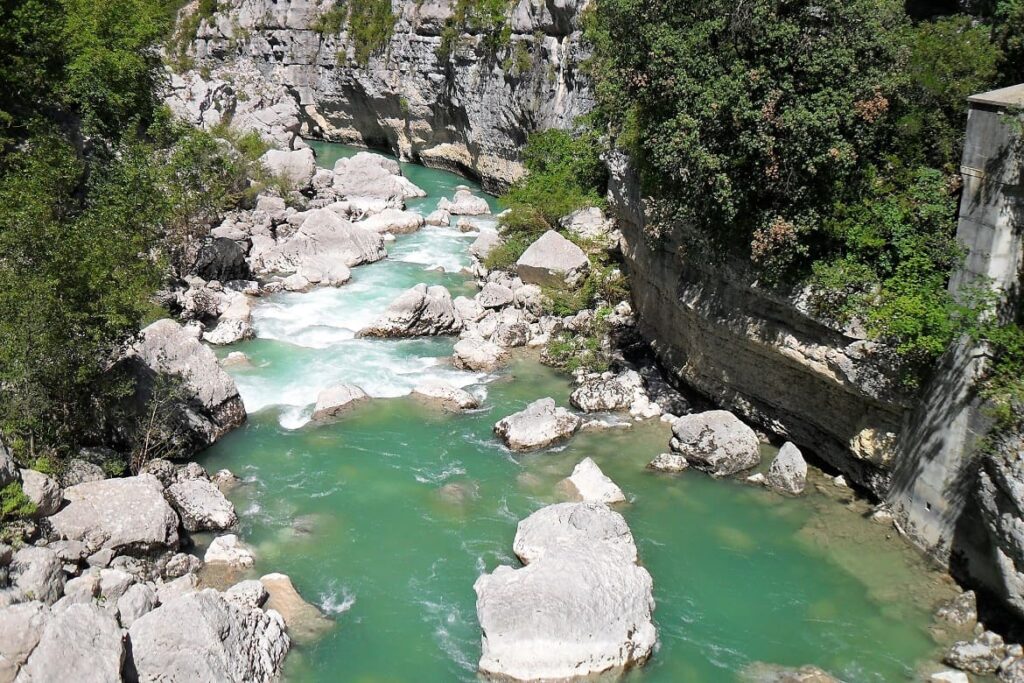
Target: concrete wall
{"type": "Point", "coordinates": [934, 480]}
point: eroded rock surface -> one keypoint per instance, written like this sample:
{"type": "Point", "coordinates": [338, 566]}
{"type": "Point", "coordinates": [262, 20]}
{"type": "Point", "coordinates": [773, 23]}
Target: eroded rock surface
{"type": "Point", "coordinates": [716, 442]}
{"type": "Point", "coordinates": [422, 310]}
{"type": "Point", "coordinates": [581, 605]}
{"type": "Point", "coordinates": [539, 425]}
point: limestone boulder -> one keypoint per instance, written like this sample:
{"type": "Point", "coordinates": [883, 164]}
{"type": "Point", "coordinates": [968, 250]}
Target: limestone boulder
{"type": "Point", "coordinates": [487, 241]}
{"type": "Point", "coordinates": [419, 311]}
{"type": "Point", "coordinates": [201, 505]}
{"type": "Point", "coordinates": [788, 471]}
{"type": "Point", "coordinates": [438, 218]}
{"type": "Point", "coordinates": [580, 606]}
{"type": "Point", "coordinates": [552, 261]}
{"type": "Point", "coordinates": [716, 442]}
{"type": "Point", "coordinates": [368, 175]}
{"type": "Point", "coordinates": [81, 643]}
{"type": "Point", "coordinates": [668, 462]}
{"type": "Point", "coordinates": [982, 656]}
{"type": "Point", "coordinates": [608, 392]}
{"type": "Point", "coordinates": [323, 240]}
{"type": "Point", "coordinates": [590, 224]}
{"type": "Point", "coordinates": [539, 425]}
{"type": "Point", "coordinates": [43, 490]}
{"type": "Point", "coordinates": [137, 600]}
{"type": "Point", "coordinates": [124, 514]}
{"type": "Point", "coordinates": [21, 627]}
{"type": "Point", "coordinates": [304, 621]}
{"type": "Point", "coordinates": [228, 550]}
{"type": "Point", "coordinates": [295, 166]}
{"type": "Point", "coordinates": [215, 407]}
{"type": "Point", "coordinates": [395, 221]}
{"type": "Point", "coordinates": [79, 471]}
{"type": "Point", "coordinates": [336, 400]}
{"type": "Point", "coordinates": [478, 355]}
{"type": "Point", "coordinates": [464, 203]}
{"type": "Point", "coordinates": [589, 484]}
{"type": "Point", "coordinates": [38, 573]}
{"type": "Point", "coordinates": [203, 637]}
{"type": "Point", "coordinates": [446, 395]}
{"type": "Point", "coordinates": [494, 295]}
{"type": "Point", "coordinates": [235, 323]}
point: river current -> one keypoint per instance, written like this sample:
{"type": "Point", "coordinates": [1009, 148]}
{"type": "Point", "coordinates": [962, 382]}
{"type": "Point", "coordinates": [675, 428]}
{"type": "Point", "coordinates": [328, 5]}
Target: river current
{"type": "Point", "coordinates": [385, 518]}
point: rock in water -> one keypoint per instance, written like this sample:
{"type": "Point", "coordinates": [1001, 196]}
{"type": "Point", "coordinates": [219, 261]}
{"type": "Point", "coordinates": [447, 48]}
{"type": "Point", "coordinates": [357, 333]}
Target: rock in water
{"type": "Point", "coordinates": [129, 513]}
{"type": "Point", "coordinates": [202, 637]}
{"type": "Point", "coordinates": [788, 471]}
{"type": "Point", "coordinates": [538, 425]}
{"type": "Point", "coordinates": [446, 394]}
{"type": "Point", "coordinates": [465, 203]}
{"type": "Point", "coordinates": [372, 176]}
{"type": "Point", "coordinates": [167, 348]}
{"type": "Point", "coordinates": [419, 311]}
{"type": "Point", "coordinates": [335, 400]}
{"type": "Point", "coordinates": [552, 261]}
{"type": "Point", "coordinates": [591, 485]}
{"type": "Point", "coordinates": [668, 462]}
{"type": "Point", "coordinates": [716, 442]}
{"type": "Point", "coordinates": [581, 605]}
{"type": "Point", "coordinates": [478, 354]}
{"type": "Point", "coordinates": [304, 621]}
{"type": "Point", "coordinates": [322, 241]}
{"type": "Point", "coordinates": [201, 505]}
{"type": "Point", "coordinates": [395, 221]}
{"type": "Point", "coordinates": [80, 643]}
{"type": "Point", "coordinates": [983, 655]}
{"type": "Point", "coordinates": [227, 549]}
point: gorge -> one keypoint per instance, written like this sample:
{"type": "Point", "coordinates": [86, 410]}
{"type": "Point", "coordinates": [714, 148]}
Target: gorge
{"type": "Point", "coordinates": [391, 388]}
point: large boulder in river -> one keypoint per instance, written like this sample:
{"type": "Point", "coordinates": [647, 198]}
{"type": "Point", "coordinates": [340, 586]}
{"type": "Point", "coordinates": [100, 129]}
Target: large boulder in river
{"type": "Point", "coordinates": [395, 221]}
{"type": "Point", "coordinates": [478, 354]}
{"type": "Point", "coordinates": [201, 505]}
{"type": "Point", "coordinates": [539, 425]}
{"type": "Point", "coordinates": [304, 621]}
{"type": "Point", "coordinates": [213, 406]}
{"type": "Point", "coordinates": [552, 261]}
{"type": "Point", "coordinates": [123, 514]}
{"type": "Point", "coordinates": [419, 311]}
{"type": "Point", "coordinates": [80, 643]}
{"type": "Point", "coordinates": [203, 637]}
{"type": "Point", "coordinates": [580, 606]}
{"type": "Point", "coordinates": [221, 259]}
{"type": "Point", "coordinates": [445, 394]}
{"type": "Point", "coordinates": [465, 203]}
{"type": "Point", "coordinates": [369, 175]}
{"type": "Point", "coordinates": [716, 442]}
{"type": "Point", "coordinates": [337, 399]}
{"type": "Point", "coordinates": [788, 471]}
{"type": "Point", "coordinates": [323, 239]}
{"type": "Point", "coordinates": [296, 167]}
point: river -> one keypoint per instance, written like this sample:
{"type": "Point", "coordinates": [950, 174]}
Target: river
{"type": "Point", "coordinates": [386, 517]}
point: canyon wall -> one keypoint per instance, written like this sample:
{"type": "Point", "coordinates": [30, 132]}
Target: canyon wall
{"type": "Point", "coordinates": [468, 111]}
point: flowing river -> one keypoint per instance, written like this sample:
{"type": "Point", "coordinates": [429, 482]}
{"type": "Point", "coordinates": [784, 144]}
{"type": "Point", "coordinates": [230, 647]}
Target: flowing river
{"type": "Point", "coordinates": [386, 517]}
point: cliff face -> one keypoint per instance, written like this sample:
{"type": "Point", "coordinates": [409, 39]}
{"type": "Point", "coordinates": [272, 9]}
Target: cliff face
{"type": "Point", "coordinates": [760, 355]}
{"type": "Point", "coordinates": [469, 111]}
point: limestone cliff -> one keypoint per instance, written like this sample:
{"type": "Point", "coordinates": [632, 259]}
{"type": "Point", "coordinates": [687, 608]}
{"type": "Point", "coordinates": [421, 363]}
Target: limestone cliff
{"type": "Point", "coordinates": [265, 63]}
{"type": "Point", "coordinates": [760, 354]}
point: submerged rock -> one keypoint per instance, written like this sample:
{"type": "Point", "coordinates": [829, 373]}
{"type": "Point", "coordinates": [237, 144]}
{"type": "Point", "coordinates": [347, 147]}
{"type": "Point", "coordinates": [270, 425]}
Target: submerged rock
{"type": "Point", "coordinates": [761, 672]}
{"type": "Point", "coordinates": [591, 485]}
{"type": "Point", "coordinates": [419, 311]}
{"type": "Point", "coordinates": [335, 400]}
{"type": "Point", "coordinates": [961, 611]}
{"type": "Point", "coordinates": [668, 462]}
{"type": "Point", "coordinates": [129, 513]}
{"type": "Point", "coordinates": [581, 605]}
{"type": "Point", "coordinates": [716, 442]}
{"type": "Point", "coordinates": [788, 471]}
{"type": "Point", "coordinates": [538, 425]}
{"type": "Point", "coordinates": [552, 261]}
{"type": "Point", "coordinates": [304, 621]}
{"type": "Point", "coordinates": [202, 637]}
{"type": "Point", "coordinates": [227, 549]}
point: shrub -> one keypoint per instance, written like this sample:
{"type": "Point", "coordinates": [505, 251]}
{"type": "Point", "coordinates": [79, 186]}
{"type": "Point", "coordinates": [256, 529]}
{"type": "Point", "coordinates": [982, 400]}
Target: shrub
{"type": "Point", "coordinates": [14, 504]}
{"type": "Point", "coordinates": [331, 21]}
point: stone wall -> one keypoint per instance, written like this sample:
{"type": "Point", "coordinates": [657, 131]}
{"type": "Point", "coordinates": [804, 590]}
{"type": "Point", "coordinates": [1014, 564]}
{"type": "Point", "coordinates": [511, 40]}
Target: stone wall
{"type": "Point", "coordinates": [470, 111]}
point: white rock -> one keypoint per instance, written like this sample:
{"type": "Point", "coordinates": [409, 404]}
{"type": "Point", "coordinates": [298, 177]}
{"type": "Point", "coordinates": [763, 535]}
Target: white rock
{"type": "Point", "coordinates": [419, 311]}
{"type": "Point", "coordinates": [949, 677]}
{"type": "Point", "coordinates": [539, 425]}
{"type": "Point", "coordinates": [137, 600]}
{"type": "Point", "coordinates": [494, 296]}
{"type": "Point", "coordinates": [227, 549]}
{"type": "Point", "coordinates": [172, 590]}
{"type": "Point", "coordinates": [372, 176]}
{"type": "Point", "coordinates": [487, 241]}
{"type": "Point", "coordinates": [552, 261]}
{"type": "Point", "coordinates": [42, 490]}
{"type": "Point", "coordinates": [592, 485]}
{"type": "Point", "coordinates": [668, 462]}
{"type": "Point", "coordinates": [322, 241]}
{"type": "Point", "coordinates": [478, 355]}
{"type": "Point", "coordinates": [201, 505]}
{"type": "Point", "coordinates": [788, 471]}
{"type": "Point", "coordinates": [439, 217]}
{"type": "Point", "coordinates": [81, 643]}
{"type": "Point", "coordinates": [446, 394]}
{"type": "Point", "coordinates": [296, 166]}
{"type": "Point", "coordinates": [464, 203]}
{"type": "Point", "coordinates": [395, 221]}
{"type": "Point", "coordinates": [717, 442]}
{"type": "Point", "coordinates": [336, 400]}
{"type": "Point", "coordinates": [21, 626]}
{"type": "Point", "coordinates": [580, 606]}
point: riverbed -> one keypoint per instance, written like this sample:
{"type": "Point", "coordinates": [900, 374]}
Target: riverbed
{"type": "Point", "coordinates": [386, 517]}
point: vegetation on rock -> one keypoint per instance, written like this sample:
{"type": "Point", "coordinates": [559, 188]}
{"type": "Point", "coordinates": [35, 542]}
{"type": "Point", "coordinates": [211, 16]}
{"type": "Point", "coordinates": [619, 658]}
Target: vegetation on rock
{"type": "Point", "coordinates": [370, 24]}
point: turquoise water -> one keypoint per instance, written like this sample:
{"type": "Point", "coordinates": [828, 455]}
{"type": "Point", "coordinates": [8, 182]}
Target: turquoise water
{"type": "Point", "coordinates": [386, 518]}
